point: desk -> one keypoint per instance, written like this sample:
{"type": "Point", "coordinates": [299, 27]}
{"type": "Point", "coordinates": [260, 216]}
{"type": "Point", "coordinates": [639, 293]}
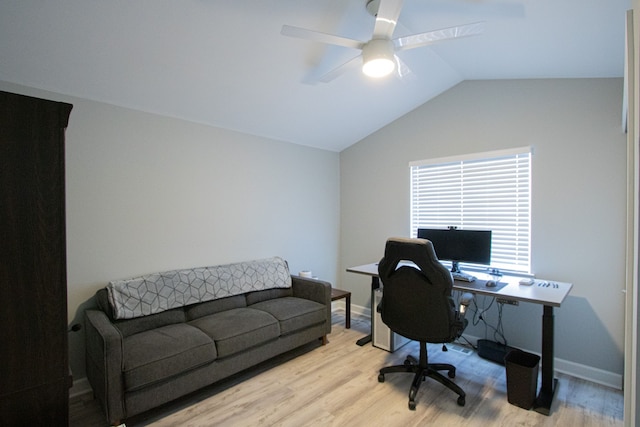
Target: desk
{"type": "Point", "coordinates": [547, 293]}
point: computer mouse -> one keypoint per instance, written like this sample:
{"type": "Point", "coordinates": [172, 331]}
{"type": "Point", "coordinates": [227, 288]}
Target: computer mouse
{"type": "Point", "coordinates": [490, 284]}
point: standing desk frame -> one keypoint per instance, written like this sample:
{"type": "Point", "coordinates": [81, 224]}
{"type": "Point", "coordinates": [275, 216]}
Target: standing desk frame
{"type": "Point", "coordinates": [547, 293]}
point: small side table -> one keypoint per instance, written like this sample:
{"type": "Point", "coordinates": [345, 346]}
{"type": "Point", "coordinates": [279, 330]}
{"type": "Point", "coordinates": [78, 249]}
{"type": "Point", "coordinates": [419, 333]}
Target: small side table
{"type": "Point", "coordinates": [338, 294]}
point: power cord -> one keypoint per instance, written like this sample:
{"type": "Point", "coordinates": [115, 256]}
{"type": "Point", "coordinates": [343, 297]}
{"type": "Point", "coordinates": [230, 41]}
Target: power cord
{"type": "Point", "coordinates": [479, 316]}
{"type": "Point", "coordinates": [498, 333]}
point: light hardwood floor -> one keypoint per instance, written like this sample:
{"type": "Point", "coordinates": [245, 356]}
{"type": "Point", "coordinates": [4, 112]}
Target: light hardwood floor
{"type": "Point", "coordinates": [337, 385]}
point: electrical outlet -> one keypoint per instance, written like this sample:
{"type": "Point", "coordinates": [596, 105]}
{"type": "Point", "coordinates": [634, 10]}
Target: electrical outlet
{"type": "Point", "coordinates": [507, 301]}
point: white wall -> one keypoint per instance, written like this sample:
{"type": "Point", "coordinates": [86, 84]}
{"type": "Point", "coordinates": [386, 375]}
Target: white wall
{"type": "Point", "coordinates": [578, 216]}
{"type": "Point", "coordinates": [147, 193]}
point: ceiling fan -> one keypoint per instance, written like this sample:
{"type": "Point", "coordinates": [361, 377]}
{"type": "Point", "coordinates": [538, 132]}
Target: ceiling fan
{"type": "Point", "coordinates": [379, 57]}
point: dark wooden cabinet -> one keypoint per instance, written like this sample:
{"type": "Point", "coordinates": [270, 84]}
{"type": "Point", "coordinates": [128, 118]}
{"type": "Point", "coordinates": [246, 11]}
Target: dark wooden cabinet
{"type": "Point", "coordinates": [34, 372]}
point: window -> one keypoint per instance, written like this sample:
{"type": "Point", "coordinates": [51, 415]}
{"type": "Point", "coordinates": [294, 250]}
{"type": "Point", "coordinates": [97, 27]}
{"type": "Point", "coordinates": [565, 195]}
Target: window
{"type": "Point", "coordinates": [490, 191]}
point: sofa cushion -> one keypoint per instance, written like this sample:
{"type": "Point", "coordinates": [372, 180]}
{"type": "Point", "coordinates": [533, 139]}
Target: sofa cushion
{"type": "Point", "coordinates": [211, 307]}
{"type": "Point", "coordinates": [238, 329]}
{"type": "Point", "coordinates": [161, 353]}
{"type": "Point", "coordinates": [293, 313]}
{"type": "Point", "coordinates": [267, 294]}
{"type": "Point", "coordinates": [129, 327]}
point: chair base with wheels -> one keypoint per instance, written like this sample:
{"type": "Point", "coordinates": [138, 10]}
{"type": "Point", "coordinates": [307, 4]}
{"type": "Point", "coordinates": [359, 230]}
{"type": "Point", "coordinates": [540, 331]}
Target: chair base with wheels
{"type": "Point", "coordinates": [422, 369]}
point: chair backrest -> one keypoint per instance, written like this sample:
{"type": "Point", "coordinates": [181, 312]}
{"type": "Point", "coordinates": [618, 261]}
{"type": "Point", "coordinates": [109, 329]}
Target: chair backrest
{"type": "Point", "coordinates": [416, 299]}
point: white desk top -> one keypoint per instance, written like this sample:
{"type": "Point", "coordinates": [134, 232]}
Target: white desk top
{"type": "Point", "coordinates": [546, 292]}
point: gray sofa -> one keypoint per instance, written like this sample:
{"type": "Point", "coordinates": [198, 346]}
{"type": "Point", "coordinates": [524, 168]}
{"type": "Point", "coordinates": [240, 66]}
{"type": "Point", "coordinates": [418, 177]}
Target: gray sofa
{"type": "Point", "coordinates": [155, 338]}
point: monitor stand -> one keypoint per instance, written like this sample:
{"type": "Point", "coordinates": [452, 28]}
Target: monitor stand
{"type": "Point", "coordinates": [455, 267]}
{"type": "Point", "coordinates": [459, 275]}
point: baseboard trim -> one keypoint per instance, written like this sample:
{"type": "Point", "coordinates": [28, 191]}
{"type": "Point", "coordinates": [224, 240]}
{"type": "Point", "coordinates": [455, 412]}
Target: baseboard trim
{"type": "Point", "coordinates": [577, 370]}
{"type": "Point", "coordinates": [567, 367]}
{"type": "Point", "coordinates": [80, 387]}
{"type": "Point", "coordinates": [598, 376]}
{"type": "Point", "coordinates": [361, 311]}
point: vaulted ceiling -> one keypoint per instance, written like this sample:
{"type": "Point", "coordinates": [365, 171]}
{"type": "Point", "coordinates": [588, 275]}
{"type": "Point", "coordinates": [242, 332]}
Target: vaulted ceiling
{"type": "Point", "coordinates": [224, 62]}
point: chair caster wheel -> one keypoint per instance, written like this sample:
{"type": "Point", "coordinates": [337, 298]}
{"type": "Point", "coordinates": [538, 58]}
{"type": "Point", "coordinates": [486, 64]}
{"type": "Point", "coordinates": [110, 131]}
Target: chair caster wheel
{"type": "Point", "coordinates": [461, 401]}
{"type": "Point", "coordinates": [412, 405]}
{"type": "Point", "coordinates": [380, 378]}
{"type": "Point", "coordinates": [452, 373]}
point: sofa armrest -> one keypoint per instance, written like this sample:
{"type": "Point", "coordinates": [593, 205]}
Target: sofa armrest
{"type": "Point", "coordinates": [314, 290]}
{"type": "Point", "coordinates": [104, 363]}
{"type": "Point", "coordinates": [311, 289]}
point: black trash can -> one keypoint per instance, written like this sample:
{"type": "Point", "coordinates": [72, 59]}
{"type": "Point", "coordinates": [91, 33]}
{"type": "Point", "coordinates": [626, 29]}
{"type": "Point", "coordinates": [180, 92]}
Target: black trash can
{"type": "Point", "coordinates": [522, 378]}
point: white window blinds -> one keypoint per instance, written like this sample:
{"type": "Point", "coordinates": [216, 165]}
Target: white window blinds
{"type": "Point", "coordinates": [487, 191]}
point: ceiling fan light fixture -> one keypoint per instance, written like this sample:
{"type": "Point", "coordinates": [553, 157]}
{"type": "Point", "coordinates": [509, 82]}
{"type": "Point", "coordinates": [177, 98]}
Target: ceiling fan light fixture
{"type": "Point", "coordinates": [378, 58]}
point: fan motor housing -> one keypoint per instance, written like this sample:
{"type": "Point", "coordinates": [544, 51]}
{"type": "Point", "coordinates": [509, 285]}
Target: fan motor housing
{"type": "Point", "coordinates": [378, 58]}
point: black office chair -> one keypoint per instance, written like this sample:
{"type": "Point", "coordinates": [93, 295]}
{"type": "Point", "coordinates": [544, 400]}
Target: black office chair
{"type": "Point", "coordinates": [417, 304]}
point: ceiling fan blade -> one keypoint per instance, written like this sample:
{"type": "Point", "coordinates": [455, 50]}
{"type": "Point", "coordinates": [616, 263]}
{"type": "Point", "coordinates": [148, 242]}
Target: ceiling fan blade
{"type": "Point", "coordinates": [386, 18]}
{"type": "Point", "coordinates": [303, 33]}
{"type": "Point", "coordinates": [337, 72]}
{"type": "Point", "coordinates": [402, 69]}
{"type": "Point", "coordinates": [423, 39]}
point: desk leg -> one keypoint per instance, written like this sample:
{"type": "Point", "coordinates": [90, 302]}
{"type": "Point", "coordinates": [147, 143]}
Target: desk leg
{"type": "Point", "coordinates": [375, 284]}
{"type": "Point", "coordinates": [549, 383]}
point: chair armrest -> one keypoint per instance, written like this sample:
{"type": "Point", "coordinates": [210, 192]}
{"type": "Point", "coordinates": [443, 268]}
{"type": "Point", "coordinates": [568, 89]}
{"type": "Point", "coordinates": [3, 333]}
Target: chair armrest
{"type": "Point", "coordinates": [465, 300]}
{"type": "Point", "coordinates": [314, 290]}
{"type": "Point", "coordinates": [104, 363]}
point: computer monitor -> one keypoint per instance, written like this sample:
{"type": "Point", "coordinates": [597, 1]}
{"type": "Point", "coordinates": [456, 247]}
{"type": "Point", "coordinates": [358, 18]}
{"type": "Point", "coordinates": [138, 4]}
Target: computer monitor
{"type": "Point", "coordinates": [472, 246]}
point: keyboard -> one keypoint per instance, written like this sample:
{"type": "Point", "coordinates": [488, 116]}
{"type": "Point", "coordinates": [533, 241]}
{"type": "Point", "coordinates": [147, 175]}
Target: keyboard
{"type": "Point", "coordinates": [462, 277]}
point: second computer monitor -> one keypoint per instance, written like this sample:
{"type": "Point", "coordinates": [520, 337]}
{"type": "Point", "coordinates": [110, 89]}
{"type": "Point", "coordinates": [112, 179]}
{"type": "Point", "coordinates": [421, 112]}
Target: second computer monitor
{"type": "Point", "coordinates": [469, 246]}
